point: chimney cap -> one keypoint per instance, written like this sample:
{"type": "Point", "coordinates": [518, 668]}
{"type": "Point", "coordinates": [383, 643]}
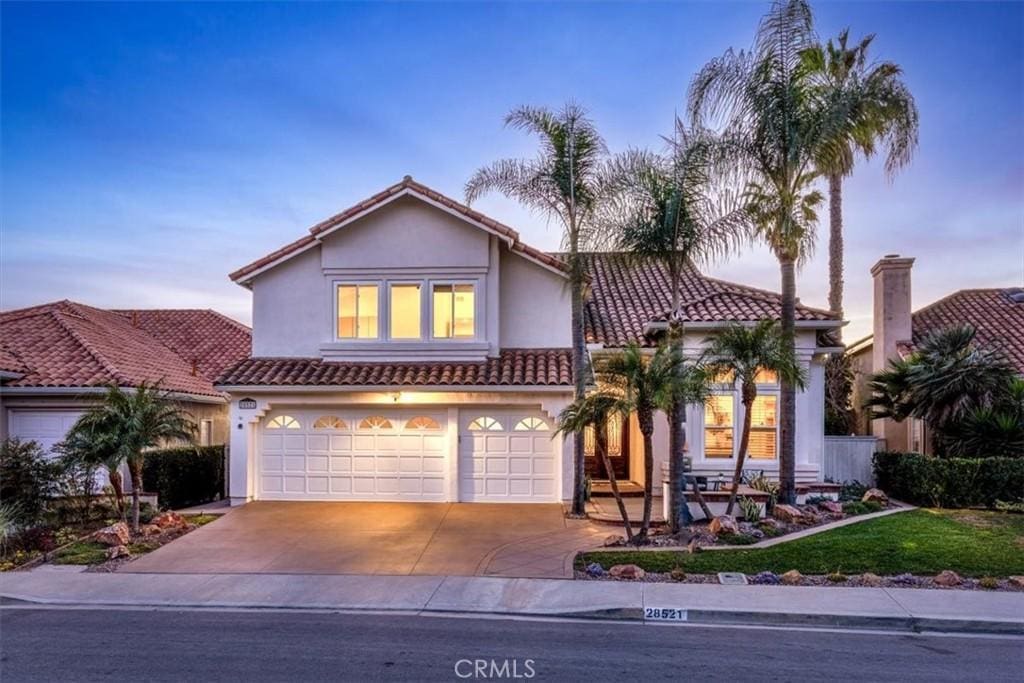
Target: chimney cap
{"type": "Point", "coordinates": [892, 262]}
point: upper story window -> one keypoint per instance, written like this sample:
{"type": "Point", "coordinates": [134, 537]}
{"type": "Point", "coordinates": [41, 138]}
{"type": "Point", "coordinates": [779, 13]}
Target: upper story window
{"type": "Point", "coordinates": [454, 311]}
{"type": "Point", "coordinates": [358, 308]}
{"type": "Point", "coordinates": [405, 305]}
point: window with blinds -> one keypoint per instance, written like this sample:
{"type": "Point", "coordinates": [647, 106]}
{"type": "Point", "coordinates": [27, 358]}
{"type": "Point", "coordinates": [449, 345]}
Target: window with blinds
{"type": "Point", "coordinates": [719, 419]}
{"type": "Point", "coordinates": [763, 428]}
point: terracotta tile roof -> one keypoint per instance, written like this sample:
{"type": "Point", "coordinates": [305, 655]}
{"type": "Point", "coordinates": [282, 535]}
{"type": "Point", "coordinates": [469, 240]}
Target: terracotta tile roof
{"type": "Point", "coordinates": [9, 362]}
{"type": "Point", "coordinates": [627, 295]}
{"type": "Point", "coordinates": [514, 367]}
{"type": "Point", "coordinates": [67, 344]}
{"type": "Point", "coordinates": [998, 319]}
{"type": "Point", "coordinates": [406, 184]}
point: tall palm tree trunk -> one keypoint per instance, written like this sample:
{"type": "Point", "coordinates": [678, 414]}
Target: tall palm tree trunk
{"type": "Point", "coordinates": [748, 404]}
{"type": "Point", "coordinates": [579, 371]}
{"type": "Point", "coordinates": [135, 468]}
{"type": "Point", "coordinates": [646, 418]}
{"type": "Point", "coordinates": [117, 486]}
{"type": "Point", "coordinates": [678, 509]}
{"type": "Point", "coordinates": [601, 437]}
{"type": "Point", "coordinates": [787, 393]}
{"type": "Point", "coordinates": [835, 246]}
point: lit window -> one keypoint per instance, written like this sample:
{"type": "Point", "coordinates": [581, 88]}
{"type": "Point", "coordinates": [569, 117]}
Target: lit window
{"type": "Point", "coordinates": [405, 311]}
{"type": "Point", "coordinates": [283, 422]}
{"type": "Point", "coordinates": [723, 377]}
{"type": "Point", "coordinates": [454, 311]}
{"type": "Point", "coordinates": [485, 424]}
{"type": "Point", "coordinates": [422, 422]}
{"type": "Point", "coordinates": [357, 311]}
{"type": "Point", "coordinates": [766, 377]}
{"type": "Point", "coordinates": [763, 427]}
{"type": "Point", "coordinates": [718, 424]}
{"type": "Point", "coordinates": [375, 422]}
{"type": "Point", "coordinates": [531, 424]}
{"type": "Point", "coordinates": [206, 432]}
{"type": "Point", "coordinates": [329, 422]}
{"type": "Point", "coordinates": [614, 434]}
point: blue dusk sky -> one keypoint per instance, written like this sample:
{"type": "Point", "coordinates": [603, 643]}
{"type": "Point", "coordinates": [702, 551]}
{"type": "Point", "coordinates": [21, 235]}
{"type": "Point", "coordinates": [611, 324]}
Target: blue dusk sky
{"type": "Point", "coordinates": [149, 149]}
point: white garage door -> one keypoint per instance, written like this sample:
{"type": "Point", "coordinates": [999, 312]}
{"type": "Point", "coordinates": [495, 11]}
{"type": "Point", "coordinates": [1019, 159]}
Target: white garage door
{"type": "Point", "coordinates": [506, 456]}
{"type": "Point", "coordinates": [370, 454]}
{"type": "Point", "coordinates": [46, 427]}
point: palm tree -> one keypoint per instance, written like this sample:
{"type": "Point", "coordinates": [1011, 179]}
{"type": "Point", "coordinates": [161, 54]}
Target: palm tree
{"type": "Point", "coordinates": [593, 411]}
{"type": "Point", "coordinates": [777, 128]}
{"type": "Point", "coordinates": [742, 352]}
{"type": "Point", "coordinates": [565, 182]}
{"type": "Point", "coordinates": [667, 211]}
{"type": "Point", "coordinates": [948, 378]}
{"type": "Point", "coordinates": [881, 110]}
{"type": "Point", "coordinates": [136, 421]}
{"type": "Point", "coordinates": [86, 445]}
{"type": "Point", "coordinates": [995, 431]}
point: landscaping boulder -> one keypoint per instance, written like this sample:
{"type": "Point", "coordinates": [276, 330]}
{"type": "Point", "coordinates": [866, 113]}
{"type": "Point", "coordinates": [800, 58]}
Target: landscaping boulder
{"type": "Point", "coordinates": [114, 535]}
{"type": "Point", "coordinates": [117, 551]}
{"type": "Point", "coordinates": [770, 523]}
{"type": "Point", "coordinates": [792, 578]}
{"type": "Point", "coordinates": [869, 579]}
{"type": "Point", "coordinates": [1017, 581]}
{"type": "Point", "coordinates": [724, 524]}
{"type": "Point", "coordinates": [594, 569]}
{"type": "Point", "coordinates": [169, 520]}
{"type": "Point", "coordinates": [149, 530]}
{"type": "Point", "coordinates": [614, 539]}
{"type": "Point", "coordinates": [947, 579]}
{"type": "Point", "coordinates": [787, 513]}
{"type": "Point", "coordinates": [831, 507]}
{"type": "Point", "coordinates": [765, 579]}
{"type": "Point", "coordinates": [876, 495]}
{"type": "Point", "coordinates": [627, 571]}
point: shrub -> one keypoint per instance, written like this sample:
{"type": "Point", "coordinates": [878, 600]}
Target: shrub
{"type": "Point", "coordinates": [185, 476]}
{"type": "Point", "coordinates": [678, 574]}
{"type": "Point", "coordinates": [27, 478]}
{"type": "Point", "coordinates": [950, 482]}
{"type": "Point", "coordinates": [760, 482]}
{"type": "Point", "coordinates": [855, 507]}
{"type": "Point", "coordinates": [988, 582]}
{"type": "Point", "coordinates": [852, 490]}
{"type": "Point", "coordinates": [836, 577]}
{"type": "Point", "coordinates": [1003, 506]}
{"type": "Point", "coordinates": [750, 509]}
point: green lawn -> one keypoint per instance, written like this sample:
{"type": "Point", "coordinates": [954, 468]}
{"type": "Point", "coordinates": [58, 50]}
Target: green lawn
{"type": "Point", "coordinates": [971, 543]}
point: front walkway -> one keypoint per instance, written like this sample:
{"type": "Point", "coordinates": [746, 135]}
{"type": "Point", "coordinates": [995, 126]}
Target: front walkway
{"type": "Point", "coordinates": [436, 539]}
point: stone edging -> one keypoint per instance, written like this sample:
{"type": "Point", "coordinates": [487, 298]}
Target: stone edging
{"type": "Point", "coordinates": [768, 542]}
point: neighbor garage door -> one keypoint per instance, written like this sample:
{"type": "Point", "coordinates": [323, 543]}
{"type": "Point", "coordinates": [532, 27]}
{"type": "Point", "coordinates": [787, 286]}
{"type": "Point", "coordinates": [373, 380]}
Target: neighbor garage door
{"type": "Point", "coordinates": [371, 454]}
{"type": "Point", "coordinates": [46, 427]}
{"type": "Point", "coordinates": [506, 455]}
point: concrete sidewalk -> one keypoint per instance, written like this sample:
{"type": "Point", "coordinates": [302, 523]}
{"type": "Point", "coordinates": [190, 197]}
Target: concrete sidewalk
{"type": "Point", "coordinates": [882, 608]}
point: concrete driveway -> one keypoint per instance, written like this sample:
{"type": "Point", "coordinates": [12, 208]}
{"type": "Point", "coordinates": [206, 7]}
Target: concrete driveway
{"type": "Point", "coordinates": [437, 539]}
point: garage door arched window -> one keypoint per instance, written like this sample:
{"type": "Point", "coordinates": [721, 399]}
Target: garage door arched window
{"type": "Point", "coordinates": [485, 423]}
{"type": "Point", "coordinates": [283, 422]}
{"type": "Point", "coordinates": [329, 422]}
{"type": "Point", "coordinates": [375, 422]}
{"type": "Point", "coordinates": [422, 422]}
{"type": "Point", "coordinates": [531, 424]}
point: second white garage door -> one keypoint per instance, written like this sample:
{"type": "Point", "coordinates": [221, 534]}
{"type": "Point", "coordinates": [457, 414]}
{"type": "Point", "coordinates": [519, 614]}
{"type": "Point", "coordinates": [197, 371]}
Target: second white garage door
{"type": "Point", "coordinates": [370, 454]}
{"type": "Point", "coordinates": [506, 455]}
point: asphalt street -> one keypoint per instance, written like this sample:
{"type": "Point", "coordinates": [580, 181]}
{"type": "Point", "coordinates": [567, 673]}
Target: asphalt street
{"type": "Point", "coordinates": [166, 645]}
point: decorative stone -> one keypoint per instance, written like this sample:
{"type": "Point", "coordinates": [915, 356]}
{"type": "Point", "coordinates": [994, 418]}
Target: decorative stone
{"type": "Point", "coordinates": [869, 579]}
{"type": "Point", "coordinates": [614, 539]}
{"type": "Point", "coordinates": [831, 506]}
{"type": "Point", "coordinates": [1017, 581]}
{"type": "Point", "coordinates": [724, 524]}
{"type": "Point", "coordinates": [765, 579]}
{"type": "Point", "coordinates": [114, 535]}
{"type": "Point", "coordinates": [877, 495]}
{"type": "Point", "coordinates": [770, 523]}
{"type": "Point", "coordinates": [906, 580]}
{"type": "Point", "coordinates": [150, 530]}
{"type": "Point", "coordinates": [117, 551]}
{"type": "Point", "coordinates": [169, 520]}
{"type": "Point", "coordinates": [627, 571]}
{"type": "Point", "coordinates": [792, 578]}
{"type": "Point", "coordinates": [947, 579]}
{"type": "Point", "coordinates": [594, 569]}
{"type": "Point", "coordinates": [787, 513]}
{"type": "Point", "coordinates": [677, 574]}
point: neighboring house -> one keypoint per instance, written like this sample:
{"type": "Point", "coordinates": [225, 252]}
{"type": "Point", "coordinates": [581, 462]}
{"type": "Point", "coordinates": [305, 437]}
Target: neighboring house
{"type": "Point", "coordinates": [411, 348]}
{"type": "Point", "coordinates": [57, 358]}
{"type": "Point", "coordinates": [996, 314]}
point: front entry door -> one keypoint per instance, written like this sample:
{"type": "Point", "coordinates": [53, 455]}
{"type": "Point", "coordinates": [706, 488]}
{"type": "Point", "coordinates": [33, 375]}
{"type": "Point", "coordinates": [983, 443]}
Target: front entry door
{"type": "Point", "coordinates": [617, 433]}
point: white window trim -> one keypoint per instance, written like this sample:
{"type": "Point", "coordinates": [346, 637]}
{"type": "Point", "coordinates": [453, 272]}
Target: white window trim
{"type": "Point", "coordinates": [475, 283]}
{"type": "Point", "coordinates": [382, 311]}
{"type": "Point", "coordinates": [424, 304]}
{"type": "Point", "coordinates": [208, 424]}
{"type": "Point", "coordinates": [768, 392]}
{"type": "Point", "coordinates": [737, 409]}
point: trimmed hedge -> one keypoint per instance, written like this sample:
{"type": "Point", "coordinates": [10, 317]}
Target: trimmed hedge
{"type": "Point", "coordinates": [949, 482]}
{"type": "Point", "coordinates": [185, 476]}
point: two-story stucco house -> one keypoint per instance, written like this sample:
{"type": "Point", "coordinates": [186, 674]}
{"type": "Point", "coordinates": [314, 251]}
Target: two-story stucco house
{"type": "Point", "coordinates": [411, 348]}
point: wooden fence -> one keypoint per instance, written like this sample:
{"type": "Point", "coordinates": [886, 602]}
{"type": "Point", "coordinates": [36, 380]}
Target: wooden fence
{"type": "Point", "coordinates": [848, 458]}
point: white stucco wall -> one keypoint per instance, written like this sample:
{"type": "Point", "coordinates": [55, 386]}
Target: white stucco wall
{"type": "Point", "coordinates": [291, 308]}
{"type": "Point", "coordinates": [536, 308]}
